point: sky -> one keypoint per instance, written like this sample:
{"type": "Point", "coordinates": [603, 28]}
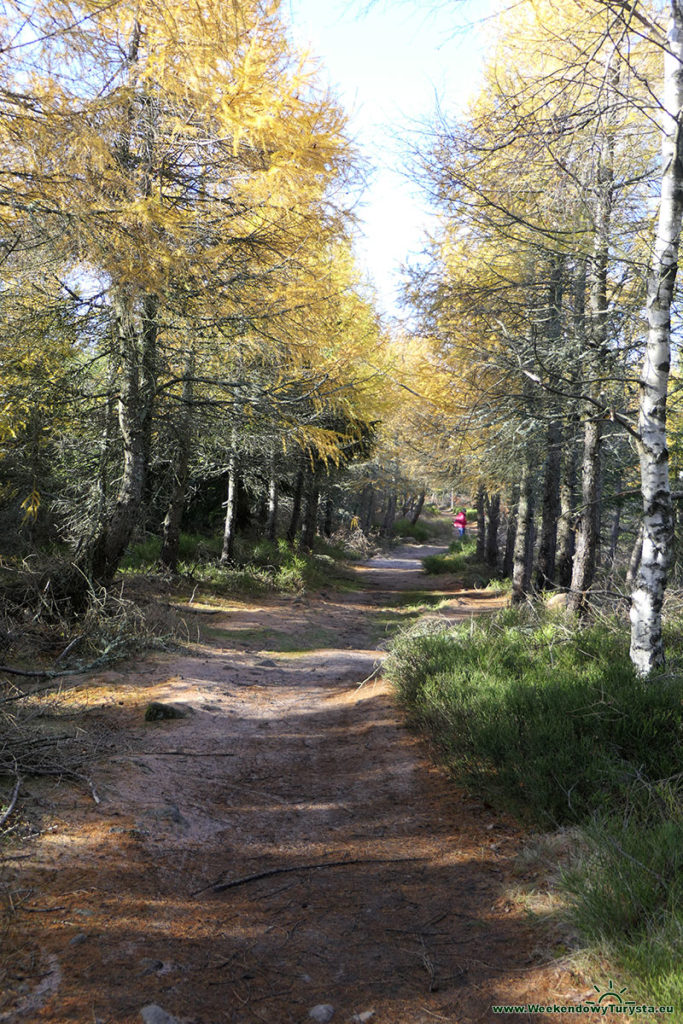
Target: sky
{"type": "Point", "coordinates": [388, 64]}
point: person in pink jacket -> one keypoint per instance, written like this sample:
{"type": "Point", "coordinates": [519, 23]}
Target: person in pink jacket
{"type": "Point", "coordinates": [460, 522]}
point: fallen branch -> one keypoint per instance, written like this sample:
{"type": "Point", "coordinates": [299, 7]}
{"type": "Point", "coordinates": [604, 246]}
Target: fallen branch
{"type": "Point", "coordinates": [376, 670]}
{"type": "Point", "coordinates": [49, 673]}
{"type": "Point", "coordinates": [219, 886]}
{"type": "Point", "coordinates": [45, 674]}
{"type": "Point", "coordinates": [15, 793]}
{"type": "Point", "coordinates": [43, 910]}
{"type": "Point", "coordinates": [175, 753]}
{"type": "Point", "coordinates": [93, 791]}
{"type": "Point", "coordinates": [68, 648]}
{"type": "Point", "coordinates": [193, 609]}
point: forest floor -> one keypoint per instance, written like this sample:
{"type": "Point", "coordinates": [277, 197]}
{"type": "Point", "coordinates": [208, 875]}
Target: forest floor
{"type": "Point", "coordinates": [384, 891]}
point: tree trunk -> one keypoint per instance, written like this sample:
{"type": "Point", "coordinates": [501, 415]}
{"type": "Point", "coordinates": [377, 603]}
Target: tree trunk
{"type": "Point", "coordinates": [481, 524]}
{"type": "Point", "coordinates": [389, 515]}
{"type": "Point", "coordinates": [271, 521]}
{"type": "Point", "coordinates": [136, 327]}
{"type": "Point", "coordinates": [368, 515]}
{"type": "Point", "coordinates": [311, 515]}
{"type": "Point", "coordinates": [227, 554]}
{"type": "Point", "coordinates": [647, 648]}
{"type": "Point", "coordinates": [137, 360]}
{"type": "Point", "coordinates": [634, 561]}
{"type": "Point", "coordinates": [616, 524]}
{"type": "Point", "coordinates": [511, 534]}
{"type": "Point", "coordinates": [583, 566]}
{"type": "Point", "coordinates": [329, 516]}
{"type": "Point", "coordinates": [296, 506]}
{"type": "Point", "coordinates": [598, 513]}
{"type": "Point", "coordinates": [566, 535]}
{"type": "Point", "coordinates": [523, 551]}
{"type": "Point", "coordinates": [108, 430]}
{"type": "Point", "coordinates": [545, 575]}
{"type": "Point", "coordinates": [492, 531]}
{"type": "Point", "coordinates": [170, 530]}
{"type": "Point", "coordinates": [417, 511]}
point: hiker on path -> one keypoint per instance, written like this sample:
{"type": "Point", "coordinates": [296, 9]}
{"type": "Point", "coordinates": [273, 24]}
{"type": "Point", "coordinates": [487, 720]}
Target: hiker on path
{"type": "Point", "coordinates": [460, 522]}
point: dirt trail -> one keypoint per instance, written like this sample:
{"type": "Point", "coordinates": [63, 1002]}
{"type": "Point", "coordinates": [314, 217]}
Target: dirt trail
{"type": "Point", "coordinates": [284, 763]}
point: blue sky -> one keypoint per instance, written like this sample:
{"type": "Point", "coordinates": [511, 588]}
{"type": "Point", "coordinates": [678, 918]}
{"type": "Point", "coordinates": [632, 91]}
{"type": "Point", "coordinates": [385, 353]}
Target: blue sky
{"type": "Point", "coordinates": [387, 65]}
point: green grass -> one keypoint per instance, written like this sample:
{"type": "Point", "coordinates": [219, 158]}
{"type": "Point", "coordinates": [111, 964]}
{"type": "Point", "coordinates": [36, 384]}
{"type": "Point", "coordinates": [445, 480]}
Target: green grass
{"type": "Point", "coordinates": [499, 586]}
{"type": "Point", "coordinates": [552, 722]}
{"type": "Point", "coordinates": [460, 560]}
{"type": "Point", "coordinates": [556, 722]}
{"type": "Point", "coordinates": [419, 531]}
{"type": "Point", "coordinates": [625, 890]}
{"type": "Point", "coordinates": [457, 559]}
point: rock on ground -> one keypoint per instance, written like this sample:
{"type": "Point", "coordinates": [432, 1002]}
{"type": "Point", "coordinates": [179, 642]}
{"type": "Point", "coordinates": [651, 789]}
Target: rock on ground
{"type": "Point", "coordinates": [153, 1014]}
{"type": "Point", "coordinates": [322, 1013]}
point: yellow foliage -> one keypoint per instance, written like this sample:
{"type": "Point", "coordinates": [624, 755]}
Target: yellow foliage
{"type": "Point", "coordinates": [31, 505]}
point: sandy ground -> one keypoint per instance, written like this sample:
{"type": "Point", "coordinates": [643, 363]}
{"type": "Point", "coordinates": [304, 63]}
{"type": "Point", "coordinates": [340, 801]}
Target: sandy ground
{"type": "Point", "coordinates": [287, 844]}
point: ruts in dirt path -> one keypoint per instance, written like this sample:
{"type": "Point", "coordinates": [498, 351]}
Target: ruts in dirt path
{"type": "Point", "coordinates": [287, 847]}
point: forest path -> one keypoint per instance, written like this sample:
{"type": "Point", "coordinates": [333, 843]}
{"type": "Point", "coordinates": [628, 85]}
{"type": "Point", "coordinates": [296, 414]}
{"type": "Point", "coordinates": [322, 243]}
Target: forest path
{"type": "Point", "coordinates": [283, 763]}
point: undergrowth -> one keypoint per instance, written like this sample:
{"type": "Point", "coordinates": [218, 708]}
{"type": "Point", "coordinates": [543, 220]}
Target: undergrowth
{"type": "Point", "coordinates": [432, 526]}
{"type": "Point", "coordinates": [553, 722]}
{"type": "Point", "coordinates": [416, 531]}
{"type": "Point", "coordinates": [457, 559]}
{"type": "Point", "coordinates": [460, 560]}
{"type": "Point", "coordinates": [258, 567]}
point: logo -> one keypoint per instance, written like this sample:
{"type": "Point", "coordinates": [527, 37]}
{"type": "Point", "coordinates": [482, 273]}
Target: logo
{"type": "Point", "coordinates": [610, 995]}
{"type": "Point", "coordinates": [610, 1001]}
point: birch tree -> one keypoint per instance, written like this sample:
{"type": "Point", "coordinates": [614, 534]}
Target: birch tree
{"type": "Point", "coordinates": [647, 650]}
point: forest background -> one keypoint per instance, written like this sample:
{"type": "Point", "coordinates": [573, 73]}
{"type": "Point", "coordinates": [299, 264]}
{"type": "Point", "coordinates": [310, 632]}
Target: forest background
{"type": "Point", "coordinates": [185, 320]}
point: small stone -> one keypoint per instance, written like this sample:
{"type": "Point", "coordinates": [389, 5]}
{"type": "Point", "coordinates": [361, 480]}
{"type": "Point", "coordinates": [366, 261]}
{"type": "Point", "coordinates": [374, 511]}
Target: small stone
{"type": "Point", "coordinates": [321, 1014]}
{"type": "Point", "coordinates": [78, 940]}
{"type": "Point", "coordinates": [171, 812]}
{"type": "Point", "coordinates": [150, 965]}
{"type": "Point", "coordinates": [268, 663]}
{"type": "Point", "coordinates": [362, 1018]}
{"type": "Point", "coordinates": [153, 1014]}
{"type": "Point", "coordinates": [156, 711]}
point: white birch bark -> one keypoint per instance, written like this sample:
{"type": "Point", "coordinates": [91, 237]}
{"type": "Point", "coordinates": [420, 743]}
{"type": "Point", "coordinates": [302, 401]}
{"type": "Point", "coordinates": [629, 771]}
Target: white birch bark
{"type": "Point", "coordinates": [230, 507]}
{"type": "Point", "coordinates": [647, 650]}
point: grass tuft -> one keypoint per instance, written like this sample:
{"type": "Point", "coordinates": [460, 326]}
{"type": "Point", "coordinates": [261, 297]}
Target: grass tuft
{"type": "Point", "coordinates": [457, 559]}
